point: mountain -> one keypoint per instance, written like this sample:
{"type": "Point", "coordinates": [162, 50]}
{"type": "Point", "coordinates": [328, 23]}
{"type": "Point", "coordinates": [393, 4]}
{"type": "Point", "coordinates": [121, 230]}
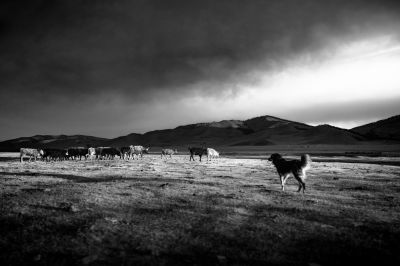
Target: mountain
{"type": "Point", "coordinates": [263, 130]}
{"type": "Point", "coordinates": [270, 122]}
{"type": "Point", "coordinates": [193, 134]}
{"type": "Point", "coordinates": [123, 140]}
{"type": "Point", "coordinates": [383, 129]}
{"type": "Point", "coordinates": [50, 141]}
{"type": "Point", "coordinates": [328, 134]}
{"type": "Point", "coordinates": [271, 130]}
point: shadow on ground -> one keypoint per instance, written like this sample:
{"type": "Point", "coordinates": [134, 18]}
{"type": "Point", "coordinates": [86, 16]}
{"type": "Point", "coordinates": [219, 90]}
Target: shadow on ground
{"type": "Point", "coordinates": [75, 178]}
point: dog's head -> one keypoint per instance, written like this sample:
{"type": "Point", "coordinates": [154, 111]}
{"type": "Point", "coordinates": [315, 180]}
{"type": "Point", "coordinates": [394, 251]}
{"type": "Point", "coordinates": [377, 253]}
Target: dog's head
{"type": "Point", "coordinates": [274, 157]}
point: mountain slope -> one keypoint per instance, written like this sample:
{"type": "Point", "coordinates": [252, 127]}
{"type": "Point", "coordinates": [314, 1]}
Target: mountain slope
{"type": "Point", "coordinates": [194, 134]}
{"type": "Point", "coordinates": [263, 130]}
{"type": "Point", "coordinates": [50, 141]}
{"type": "Point", "coordinates": [383, 129]}
{"type": "Point", "coordinates": [270, 122]}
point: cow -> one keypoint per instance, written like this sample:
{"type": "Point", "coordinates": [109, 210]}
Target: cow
{"type": "Point", "coordinates": [35, 153]}
{"type": "Point", "coordinates": [211, 153]}
{"type": "Point", "coordinates": [170, 152]}
{"type": "Point", "coordinates": [197, 151]}
{"type": "Point", "coordinates": [98, 152]}
{"type": "Point", "coordinates": [126, 152]}
{"type": "Point", "coordinates": [54, 154]}
{"type": "Point", "coordinates": [91, 153]}
{"type": "Point", "coordinates": [138, 150]}
{"type": "Point", "coordinates": [110, 152]}
{"type": "Point", "coordinates": [77, 152]}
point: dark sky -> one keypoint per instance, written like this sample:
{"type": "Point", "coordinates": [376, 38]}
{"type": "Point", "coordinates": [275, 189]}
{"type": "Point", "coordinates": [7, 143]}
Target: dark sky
{"type": "Point", "coordinates": [110, 68]}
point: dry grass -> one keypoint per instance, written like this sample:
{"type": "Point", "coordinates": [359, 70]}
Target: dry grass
{"type": "Point", "coordinates": [176, 212]}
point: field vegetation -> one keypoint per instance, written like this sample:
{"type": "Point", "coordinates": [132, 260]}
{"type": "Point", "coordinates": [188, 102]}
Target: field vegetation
{"type": "Point", "coordinates": [228, 211]}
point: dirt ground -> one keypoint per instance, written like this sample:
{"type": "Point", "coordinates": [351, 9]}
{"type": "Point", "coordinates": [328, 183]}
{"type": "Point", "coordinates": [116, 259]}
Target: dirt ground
{"type": "Point", "coordinates": [229, 211]}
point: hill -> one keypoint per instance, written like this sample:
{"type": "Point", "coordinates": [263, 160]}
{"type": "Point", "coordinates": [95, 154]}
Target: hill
{"type": "Point", "coordinates": [383, 129]}
{"type": "Point", "coordinates": [50, 141]}
{"type": "Point", "coordinates": [263, 130]}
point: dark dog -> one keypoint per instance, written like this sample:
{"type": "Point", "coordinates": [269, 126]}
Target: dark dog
{"type": "Point", "coordinates": [296, 167]}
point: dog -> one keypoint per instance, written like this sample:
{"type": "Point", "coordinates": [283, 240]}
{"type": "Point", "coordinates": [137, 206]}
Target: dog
{"type": "Point", "coordinates": [297, 168]}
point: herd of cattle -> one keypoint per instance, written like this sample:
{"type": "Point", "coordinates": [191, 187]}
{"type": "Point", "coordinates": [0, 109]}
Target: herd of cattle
{"type": "Point", "coordinates": [107, 153]}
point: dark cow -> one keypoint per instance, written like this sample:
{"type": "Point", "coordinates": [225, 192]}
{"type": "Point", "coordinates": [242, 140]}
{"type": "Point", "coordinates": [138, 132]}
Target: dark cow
{"type": "Point", "coordinates": [109, 152]}
{"type": "Point", "coordinates": [54, 154]}
{"type": "Point", "coordinates": [138, 151]}
{"type": "Point", "coordinates": [28, 152]}
{"type": "Point", "coordinates": [170, 152]}
{"type": "Point", "coordinates": [126, 152]}
{"type": "Point", "coordinates": [197, 151]}
{"type": "Point", "coordinates": [98, 152]}
{"type": "Point", "coordinates": [77, 152]}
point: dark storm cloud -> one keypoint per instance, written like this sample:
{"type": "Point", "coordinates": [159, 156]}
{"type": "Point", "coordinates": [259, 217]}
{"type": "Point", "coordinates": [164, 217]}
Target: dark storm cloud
{"type": "Point", "coordinates": [58, 57]}
{"type": "Point", "coordinates": [136, 48]}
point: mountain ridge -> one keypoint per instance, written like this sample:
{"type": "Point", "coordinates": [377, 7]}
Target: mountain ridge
{"type": "Point", "coordinates": [388, 128]}
{"type": "Point", "coordinates": [261, 130]}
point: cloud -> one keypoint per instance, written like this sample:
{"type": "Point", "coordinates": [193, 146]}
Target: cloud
{"type": "Point", "coordinates": [137, 48]}
{"type": "Point", "coordinates": [57, 56]}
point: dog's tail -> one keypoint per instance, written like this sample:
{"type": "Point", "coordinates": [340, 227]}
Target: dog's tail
{"type": "Point", "coordinates": [305, 161]}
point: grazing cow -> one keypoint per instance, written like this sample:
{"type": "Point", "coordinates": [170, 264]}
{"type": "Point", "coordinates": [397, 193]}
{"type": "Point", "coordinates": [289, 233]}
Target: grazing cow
{"type": "Point", "coordinates": [77, 152]}
{"type": "Point", "coordinates": [197, 151]}
{"type": "Point", "coordinates": [91, 153]}
{"type": "Point", "coordinates": [98, 152]}
{"type": "Point", "coordinates": [109, 152]}
{"type": "Point", "coordinates": [138, 151]}
{"type": "Point", "coordinates": [169, 152]}
{"type": "Point", "coordinates": [211, 153]}
{"type": "Point", "coordinates": [27, 152]}
{"type": "Point", "coordinates": [126, 152]}
{"type": "Point", "coordinates": [54, 154]}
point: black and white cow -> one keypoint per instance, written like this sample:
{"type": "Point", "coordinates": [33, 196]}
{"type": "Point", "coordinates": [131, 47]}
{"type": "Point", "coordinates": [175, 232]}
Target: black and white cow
{"type": "Point", "coordinates": [28, 152]}
{"type": "Point", "coordinates": [138, 151]}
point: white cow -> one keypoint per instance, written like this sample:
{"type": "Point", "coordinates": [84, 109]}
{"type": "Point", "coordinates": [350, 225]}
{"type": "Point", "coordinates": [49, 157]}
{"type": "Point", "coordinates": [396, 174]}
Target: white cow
{"type": "Point", "coordinates": [170, 152]}
{"type": "Point", "coordinates": [91, 153]}
{"type": "Point", "coordinates": [211, 153]}
{"type": "Point", "coordinates": [138, 150]}
{"type": "Point", "coordinates": [27, 152]}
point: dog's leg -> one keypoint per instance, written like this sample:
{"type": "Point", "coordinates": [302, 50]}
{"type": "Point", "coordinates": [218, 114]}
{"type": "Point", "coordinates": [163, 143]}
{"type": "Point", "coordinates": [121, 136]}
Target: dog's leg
{"type": "Point", "coordinates": [302, 185]}
{"type": "Point", "coordinates": [303, 178]}
{"type": "Point", "coordinates": [281, 177]}
{"type": "Point", "coordinates": [283, 180]}
{"type": "Point", "coordinates": [297, 176]}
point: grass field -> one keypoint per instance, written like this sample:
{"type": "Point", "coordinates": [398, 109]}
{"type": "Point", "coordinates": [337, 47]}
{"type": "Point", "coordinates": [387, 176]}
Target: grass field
{"type": "Point", "coordinates": [230, 211]}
